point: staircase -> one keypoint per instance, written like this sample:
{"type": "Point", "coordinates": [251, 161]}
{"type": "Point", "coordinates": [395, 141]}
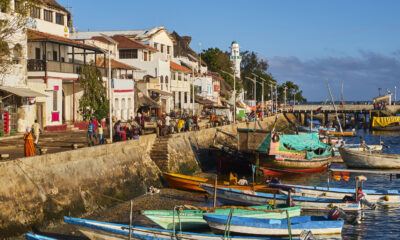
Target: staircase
{"type": "Point", "coordinates": [159, 153]}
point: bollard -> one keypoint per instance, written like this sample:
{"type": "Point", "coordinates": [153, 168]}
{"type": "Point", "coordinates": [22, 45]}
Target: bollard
{"type": "Point", "coordinates": [75, 146]}
{"type": "Point", "coordinates": [4, 156]}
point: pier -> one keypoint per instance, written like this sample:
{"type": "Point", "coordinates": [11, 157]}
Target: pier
{"type": "Point", "coordinates": [360, 112]}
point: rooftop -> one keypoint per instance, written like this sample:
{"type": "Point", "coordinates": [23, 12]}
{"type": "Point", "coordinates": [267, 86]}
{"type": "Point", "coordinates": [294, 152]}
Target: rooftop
{"type": "Point", "coordinates": [178, 67]}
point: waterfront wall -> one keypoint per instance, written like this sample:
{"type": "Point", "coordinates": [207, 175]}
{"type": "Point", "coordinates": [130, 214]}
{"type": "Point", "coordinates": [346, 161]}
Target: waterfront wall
{"type": "Point", "coordinates": [42, 189]}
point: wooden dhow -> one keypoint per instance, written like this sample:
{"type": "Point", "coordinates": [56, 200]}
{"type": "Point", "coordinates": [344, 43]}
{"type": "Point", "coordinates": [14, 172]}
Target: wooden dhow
{"type": "Point", "coordinates": [367, 159]}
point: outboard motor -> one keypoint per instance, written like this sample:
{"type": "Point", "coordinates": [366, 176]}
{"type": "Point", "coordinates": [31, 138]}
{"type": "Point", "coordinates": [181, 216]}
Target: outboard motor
{"type": "Point", "coordinates": [337, 213]}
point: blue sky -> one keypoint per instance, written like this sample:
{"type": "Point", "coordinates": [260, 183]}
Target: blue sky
{"type": "Point", "coordinates": [304, 41]}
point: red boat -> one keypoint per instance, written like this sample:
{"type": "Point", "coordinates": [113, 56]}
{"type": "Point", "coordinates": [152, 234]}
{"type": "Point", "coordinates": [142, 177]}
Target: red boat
{"type": "Point", "coordinates": [279, 172]}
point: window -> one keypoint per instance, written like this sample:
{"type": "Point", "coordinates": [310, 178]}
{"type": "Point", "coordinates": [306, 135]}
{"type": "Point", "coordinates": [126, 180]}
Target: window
{"type": "Point", "coordinates": [173, 76]}
{"type": "Point", "coordinates": [185, 77]}
{"type": "Point", "coordinates": [162, 48]}
{"type": "Point", "coordinates": [168, 49]}
{"type": "Point", "coordinates": [186, 97]}
{"type": "Point", "coordinates": [145, 56]}
{"type": "Point", "coordinates": [55, 58]}
{"type": "Point", "coordinates": [166, 82]}
{"type": "Point", "coordinates": [179, 76]}
{"type": "Point", "coordinates": [48, 15]}
{"type": "Point", "coordinates": [55, 101]}
{"type": "Point", "coordinates": [35, 12]}
{"type": "Point", "coordinates": [60, 18]}
{"type": "Point", "coordinates": [162, 82]}
{"type": "Point", "coordinates": [155, 45]}
{"type": "Point", "coordinates": [128, 54]}
{"type": "Point", "coordinates": [37, 53]}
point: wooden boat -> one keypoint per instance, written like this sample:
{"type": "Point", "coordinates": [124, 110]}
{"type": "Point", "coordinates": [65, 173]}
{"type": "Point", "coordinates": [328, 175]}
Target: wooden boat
{"type": "Point", "coordinates": [188, 183]}
{"type": "Point", "coordinates": [366, 159]}
{"type": "Point", "coordinates": [278, 172]}
{"type": "Point", "coordinates": [386, 123]}
{"type": "Point", "coordinates": [295, 152]}
{"type": "Point", "coordinates": [243, 197]}
{"type": "Point", "coordinates": [274, 227]}
{"type": "Point", "coordinates": [30, 236]}
{"type": "Point", "coordinates": [111, 231]}
{"type": "Point", "coordinates": [334, 132]}
{"type": "Point", "coordinates": [337, 158]}
{"type": "Point", "coordinates": [193, 219]}
{"type": "Point", "coordinates": [373, 196]}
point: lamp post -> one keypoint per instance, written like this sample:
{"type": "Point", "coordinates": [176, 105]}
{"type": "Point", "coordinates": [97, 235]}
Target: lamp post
{"type": "Point", "coordinates": [395, 95]}
{"type": "Point", "coordinates": [255, 89]}
{"type": "Point", "coordinates": [193, 91]}
{"type": "Point", "coordinates": [234, 92]}
{"type": "Point", "coordinates": [285, 96]}
{"type": "Point", "coordinates": [110, 40]}
{"type": "Point", "coordinates": [262, 92]}
{"type": "Point", "coordinates": [276, 97]}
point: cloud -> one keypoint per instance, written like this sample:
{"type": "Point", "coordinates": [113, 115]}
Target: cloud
{"type": "Point", "coordinates": [362, 75]}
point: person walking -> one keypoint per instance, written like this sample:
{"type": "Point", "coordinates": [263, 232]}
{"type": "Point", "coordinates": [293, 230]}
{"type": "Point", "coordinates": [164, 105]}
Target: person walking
{"type": "Point", "coordinates": [95, 132]}
{"type": "Point", "coordinates": [101, 135]}
{"type": "Point", "coordinates": [36, 132]}
{"type": "Point", "coordinates": [90, 133]}
{"type": "Point", "coordinates": [29, 147]}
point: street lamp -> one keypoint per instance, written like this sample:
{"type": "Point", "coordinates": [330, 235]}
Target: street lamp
{"type": "Point", "coordinates": [110, 40]}
{"type": "Point", "coordinates": [255, 89]}
{"type": "Point", "coordinates": [395, 95]}
{"type": "Point", "coordinates": [262, 92]}
{"type": "Point", "coordinates": [234, 92]}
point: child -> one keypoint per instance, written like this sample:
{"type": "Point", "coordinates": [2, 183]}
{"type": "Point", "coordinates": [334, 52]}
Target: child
{"type": "Point", "coordinates": [101, 136]}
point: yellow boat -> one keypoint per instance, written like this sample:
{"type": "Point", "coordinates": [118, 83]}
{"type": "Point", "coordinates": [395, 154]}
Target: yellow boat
{"type": "Point", "coordinates": [338, 133]}
{"type": "Point", "coordinates": [189, 183]}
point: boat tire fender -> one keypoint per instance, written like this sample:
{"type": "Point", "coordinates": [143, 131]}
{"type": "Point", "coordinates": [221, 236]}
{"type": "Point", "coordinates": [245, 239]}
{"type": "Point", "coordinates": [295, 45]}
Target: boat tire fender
{"type": "Point", "coordinates": [275, 138]}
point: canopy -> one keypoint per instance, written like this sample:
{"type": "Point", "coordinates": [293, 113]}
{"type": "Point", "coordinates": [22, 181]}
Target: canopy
{"type": "Point", "coordinates": [22, 92]}
{"type": "Point", "coordinates": [384, 121]}
{"type": "Point", "coordinates": [302, 142]}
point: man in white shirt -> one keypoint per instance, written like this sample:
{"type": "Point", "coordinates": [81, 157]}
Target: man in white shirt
{"type": "Point", "coordinates": [243, 181]}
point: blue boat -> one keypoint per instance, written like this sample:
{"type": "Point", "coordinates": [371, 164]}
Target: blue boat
{"type": "Point", "coordinates": [30, 236]}
{"type": "Point", "coordinates": [111, 231]}
{"type": "Point", "coordinates": [320, 225]}
{"type": "Point", "coordinates": [246, 197]}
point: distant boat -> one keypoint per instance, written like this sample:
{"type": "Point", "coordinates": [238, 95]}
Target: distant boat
{"type": "Point", "coordinates": [366, 159]}
{"type": "Point", "coordinates": [334, 132]}
{"type": "Point", "coordinates": [373, 196]}
{"type": "Point", "coordinates": [386, 123]}
{"type": "Point", "coordinates": [242, 197]}
{"type": "Point", "coordinates": [189, 183]}
{"type": "Point", "coordinates": [112, 231]}
{"type": "Point", "coordinates": [274, 227]}
{"type": "Point", "coordinates": [30, 236]}
{"type": "Point", "coordinates": [193, 219]}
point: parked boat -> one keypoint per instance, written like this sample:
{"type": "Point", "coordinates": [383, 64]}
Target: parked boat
{"type": "Point", "coordinates": [337, 158]}
{"type": "Point", "coordinates": [243, 197]}
{"type": "Point", "coordinates": [189, 183]}
{"type": "Point", "coordinates": [111, 231]}
{"type": "Point", "coordinates": [373, 196]}
{"type": "Point", "coordinates": [386, 123]}
{"type": "Point", "coordinates": [193, 219]}
{"type": "Point", "coordinates": [367, 159]}
{"type": "Point", "coordinates": [334, 132]}
{"type": "Point", "coordinates": [296, 152]}
{"type": "Point", "coordinates": [274, 227]}
{"type": "Point", "coordinates": [30, 236]}
{"type": "Point", "coordinates": [278, 172]}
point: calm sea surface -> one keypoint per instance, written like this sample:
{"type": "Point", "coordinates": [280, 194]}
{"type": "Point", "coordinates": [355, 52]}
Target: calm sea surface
{"type": "Point", "coordinates": [382, 223]}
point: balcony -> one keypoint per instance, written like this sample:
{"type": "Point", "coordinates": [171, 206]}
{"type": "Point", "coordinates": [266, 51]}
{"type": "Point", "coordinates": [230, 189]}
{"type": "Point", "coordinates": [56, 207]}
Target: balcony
{"type": "Point", "coordinates": [35, 65]}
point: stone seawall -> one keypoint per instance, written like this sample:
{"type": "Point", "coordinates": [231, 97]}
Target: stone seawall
{"type": "Point", "coordinates": [43, 189]}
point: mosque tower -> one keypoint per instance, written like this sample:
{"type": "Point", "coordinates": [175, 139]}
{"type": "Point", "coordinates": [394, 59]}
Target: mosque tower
{"type": "Point", "coordinates": [236, 58]}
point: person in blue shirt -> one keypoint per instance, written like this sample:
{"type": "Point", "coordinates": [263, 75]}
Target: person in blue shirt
{"type": "Point", "coordinates": [90, 133]}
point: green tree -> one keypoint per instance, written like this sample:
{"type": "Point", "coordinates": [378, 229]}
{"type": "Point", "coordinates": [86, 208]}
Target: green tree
{"type": "Point", "coordinates": [94, 102]}
{"type": "Point", "coordinates": [292, 91]}
{"type": "Point", "coordinates": [251, 63]}
{"type": "Point", "coordinates": [12, 27]}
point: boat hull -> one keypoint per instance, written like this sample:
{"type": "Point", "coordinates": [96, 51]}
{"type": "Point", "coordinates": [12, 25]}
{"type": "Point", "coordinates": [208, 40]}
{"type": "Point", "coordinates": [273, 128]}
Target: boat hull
{"type": "Point", "coordinates": [278, 172]}
{"type": "Point", "coordinates": [365, 159]}
{"type": "Point", "coordinates": [193, 219]}
{"type": "Point", "coordinates": [238, 197]}
{"type": "Point", "coordinates": [296, 163]}
{"type": "Point", "coordinates": [319, 225]}
{"type": "Point", "coordinates": [108, 231]}
{"type": "Point", "coordinates": [383, 197]}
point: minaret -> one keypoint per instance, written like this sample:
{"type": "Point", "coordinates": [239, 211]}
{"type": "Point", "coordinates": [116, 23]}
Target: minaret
{"type": "Point", "coordinates": [236, 58]}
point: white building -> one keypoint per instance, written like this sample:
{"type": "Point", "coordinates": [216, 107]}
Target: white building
{"type": "Point", "coordinates": [154, 52]}
{"type": "Point", "coordinates": [180, 86]}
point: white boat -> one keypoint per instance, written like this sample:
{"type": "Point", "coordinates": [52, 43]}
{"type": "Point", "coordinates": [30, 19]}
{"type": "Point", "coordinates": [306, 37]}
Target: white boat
{"type": "Point", "coordinates": [367, 159]}
{"type": "Point", "coordinates": [373, 196]}
{"type": "Point", "coordinates": [96, 230]}
{"type": "Point", "coordinates": [319, 225]}
{"type": "Point", "coordinates": [243, 197]}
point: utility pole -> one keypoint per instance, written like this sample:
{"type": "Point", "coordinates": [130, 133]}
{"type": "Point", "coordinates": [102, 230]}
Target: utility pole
{"type": "Point", "coordinates": [276, 97]}
{"type": "Point", "coordinates": [395, 95]}
{"type": "Point", "coordinates": [285, 95]}
{"type": "Point", "coordinates": [192, 91]}
{"type": "Point", "coordinates": [272, 98]}
{"type": "Point", "coordinates": [379, 89]}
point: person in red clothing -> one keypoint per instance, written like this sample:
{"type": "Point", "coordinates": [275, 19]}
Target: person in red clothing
{"type": "Point", "coordinates": [95, 132]}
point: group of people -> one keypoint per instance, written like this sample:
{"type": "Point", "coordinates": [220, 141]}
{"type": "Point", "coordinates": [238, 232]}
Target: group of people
{"type": "Point", "coordinates": [123, 133]}
{"type": "Point", "coordinates": [95, 132]}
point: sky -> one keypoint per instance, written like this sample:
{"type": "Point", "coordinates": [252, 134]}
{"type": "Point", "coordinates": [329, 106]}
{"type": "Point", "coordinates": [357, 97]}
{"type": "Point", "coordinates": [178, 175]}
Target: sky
{"type": "Point", "coordinates": [356, 42]}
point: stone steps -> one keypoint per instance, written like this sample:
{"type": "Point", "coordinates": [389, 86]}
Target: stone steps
{"type": "Point", "coordinates": [159, 153]}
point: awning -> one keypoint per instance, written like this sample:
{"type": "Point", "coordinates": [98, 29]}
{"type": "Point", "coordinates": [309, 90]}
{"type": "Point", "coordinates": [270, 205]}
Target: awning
{"type": "Point", "coordinates": [161, 92]}
{"type": "Point", "coordinates": [145, 101]}
{"type": "Point", "coordinates": [22, 92]}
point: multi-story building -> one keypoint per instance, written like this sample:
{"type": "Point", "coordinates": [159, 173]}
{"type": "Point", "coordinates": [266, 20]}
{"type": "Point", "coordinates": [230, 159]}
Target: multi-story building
{"type": "Point", "coordinates": [181, 82]}
{"type": "Point", "coordinates": [154, 51]}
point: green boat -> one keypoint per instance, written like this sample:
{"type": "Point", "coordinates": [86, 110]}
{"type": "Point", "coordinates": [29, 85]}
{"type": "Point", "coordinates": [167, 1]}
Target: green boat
{"type": "Point", "coordinates": [193, 219]}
